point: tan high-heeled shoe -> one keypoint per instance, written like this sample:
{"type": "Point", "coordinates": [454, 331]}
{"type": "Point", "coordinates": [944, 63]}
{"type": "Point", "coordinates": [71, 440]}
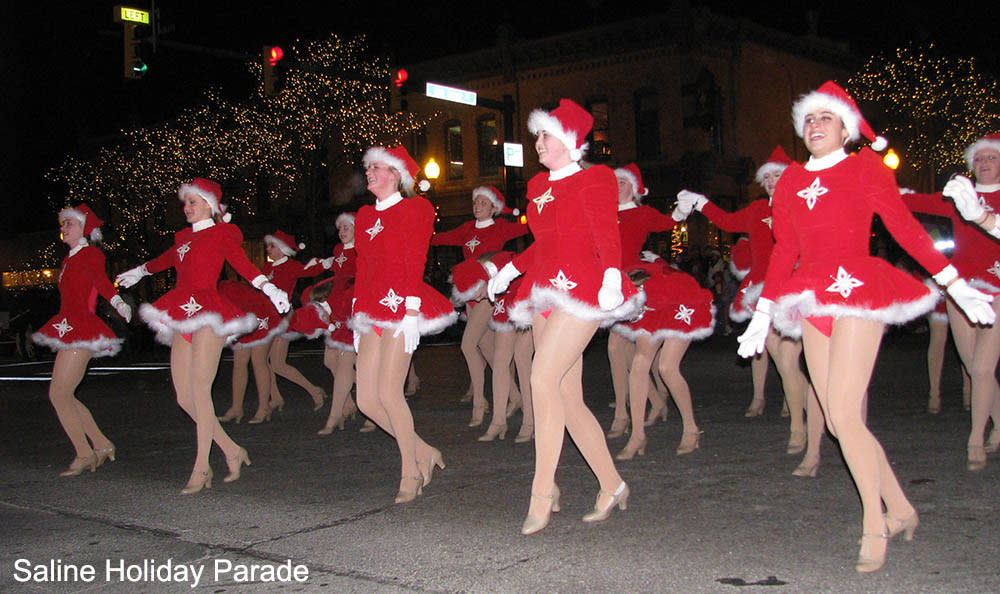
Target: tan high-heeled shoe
{"type": "Point", "coordinates": [631, 448]}
{"type": "Point", "coordinates": [933, 405]}
{"type": "Point", "coordinates": [977, 458]}
{"type": "Point", "coordinates": [993, 444]}
{"type": "Point", "coordinates": [318, 402]}
{"type": "Point", "coordinates": [478, 412]}
{"type": "Point", "coordinates": [619, 498]}
{"type": "Point", "coordinates": [494, 431]}
{"type": "Point", "coordinates": [869, 560]}
{"type": "Point", "coordinates": [619, 427]}
{"type": "Point", "coordinates": [690, 442]}
{"type": "Point", "coordinates": [79, 464]}
{"type": "Point", "coordinates": [232, 415]}
{"type": "Point", "coordinates": [512, 408]}
{"type": "Point", "coordinates": [756, 409]}
{"type": "Point", "coordinates": [655, 413]}
{"type": "Point", "coordinates": [350, 410]}
{"type": "Point", "coordinates": [806, 469]}
{"type": "Point", "coordinates": [527, 433]}
{"type": "Point", "coordinates": [427, 468]}
{"type": "Point", "coordinates": [405, 496]}
{"type": "Point", "coordinates": [533, 524]}
{"type": "Point", "coordinates": [234, 464]}
{"type": "Point", "coordinates": [105, 453]}
{"type": "Point", "coordinates": [368, 427]}
{"type": "Point", "coordinates": [261, 417]}
{"type": "Point", "coordinates": [907, 527]}
{"type": "Point", "coordinates": [200, 479]}
{"type": "Point", "coordinates": [412, 387]}
{"type": "Point", "coordinates": [796, 442]}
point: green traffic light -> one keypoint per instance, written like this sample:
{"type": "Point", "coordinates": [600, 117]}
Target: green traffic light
{"type": "Point", "coordinates": [139, 67]}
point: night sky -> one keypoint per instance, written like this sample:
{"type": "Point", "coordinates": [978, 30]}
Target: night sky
{"type": "Point", "coordinates": [64, 92]}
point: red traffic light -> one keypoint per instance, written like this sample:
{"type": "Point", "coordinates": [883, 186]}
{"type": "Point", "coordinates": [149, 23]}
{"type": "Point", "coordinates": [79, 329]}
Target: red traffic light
{"type": "Point", "coordinates": [400, 78]}
{"type": "Point", "coordinates": [274, 55]}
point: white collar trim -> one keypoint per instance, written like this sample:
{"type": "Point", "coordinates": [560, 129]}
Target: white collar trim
{"type": "Point", "coordinates": [349, 246]}
{"type": "Point", "coordinates": [280, 261]}
{"type": "Point", "coordinates": [202, 225]}
{"type": "Point", "coordinates": [627, 206]}
{"type": "Point", "coordinates": [565, 172]}
{"type": "Point", "coordinates": [827, 161]}
{"type": "Point", "coordinates": [987, 188]}
{"type": "Point", "coordinates": [389, 202]}
{"type": "Point", "coordinates": [484, 224]}
{"type": "Point", "coordinates": [83, 243]}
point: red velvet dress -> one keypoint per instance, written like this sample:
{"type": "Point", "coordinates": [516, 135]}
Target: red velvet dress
{"type": "Point", "coordinates": [312, 319]}
{"type": "Point", "coordinates": [284, 274]}
{"type": "Point", "coordinates": [634, 225]}
{"type": "Point", "coordinates": [575, 224]}
{"type": "Point", "coordinates": [475, 242]}
{"type": "Point", "coordinates": [269, 322]}
{"type": "Point", "coordinates": [392, 251]}
{"type": "Point", "coordinates": [976, 254]}
{"type": "Point", "coordinates": [76, 326]}
{"type": "Point", "coordinates": [469, 276]}
{"type": "Point", "coordinates": [754, 220]}
{"type": "Point", "coordinates": [195, 302]}
{"type": "Point", "coordinates": [676, 307]}
{"type": "Point", "coordinates": [821, 267]}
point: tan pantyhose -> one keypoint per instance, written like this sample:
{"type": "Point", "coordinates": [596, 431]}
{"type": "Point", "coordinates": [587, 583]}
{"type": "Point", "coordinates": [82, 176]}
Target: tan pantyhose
{"type": "Point", "coordinates": [620, 355]}
{"type": "Point", "coordinates": [979, 349]}
{"type": "Point", "coordinates": [557, 392]}
{"type": "Point", "coordinates": [193, 367]}
{"type": "Point", "coordinates": [517, 347]}
{"type": "Point", "coordinates": [277, 359]}
{"type": "Point", "coordinates": [341, 365]}
{"type": "Point", "coordinates": [381, 370]}
{"type": "Point", "coordinates": [261, 378]}
{"type": "Point", "coordinates": [840, 367]}
{"type": "Point", "coordinates": [67, 372]}
{"type": "Point", "coordinates": [669, 365]}
{"type": "Point", "coordinates": [785, 353]}
{"type": "Point", "coordinates": [639, 386]}
{"type": "Point", "coordinates": [478, 314]}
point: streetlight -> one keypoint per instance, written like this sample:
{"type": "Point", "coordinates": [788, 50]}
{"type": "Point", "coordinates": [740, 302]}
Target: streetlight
{"type": "Point", "coordinates": [432, 170]}
{"type": "Point", "coordinates": [891, 159]}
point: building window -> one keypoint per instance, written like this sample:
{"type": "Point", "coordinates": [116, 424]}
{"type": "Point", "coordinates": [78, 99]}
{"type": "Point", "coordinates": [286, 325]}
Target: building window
{"type": "Point", "coordinates": [453, 149]}
{"type": "Point", "coordinates": [703, 107]}
{"type": "Point", "coordinates": [420, 146]}
{"type": "Point", "coordinates": [600, 136]}
{"type": "Point", "coordinates": [647, 125]}
{"type": "Point", "coordinates": [489, 146]}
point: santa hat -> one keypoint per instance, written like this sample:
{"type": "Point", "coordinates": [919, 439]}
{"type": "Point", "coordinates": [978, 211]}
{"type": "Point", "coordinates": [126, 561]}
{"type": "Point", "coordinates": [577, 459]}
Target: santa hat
{"type": "Point", "coordinates": [835, 99]}
{"type": "Point", "coordinates": [776, 163]}
{"type": "Point", "coordinates": [91, 224]}
{"type": "Point", "coordinates": [569, 122]}
{"type": "Point", "coordinates": [285, 242]}
{"type": "Point", "coordinates": [400, 160]}
{"type": "Point", "coordinates": [210, 192]}
{"type": "Point", "coordinates": [493, 195]}
{"type": "Point", "coordinates": [344, 218]}
{"type": "Point", "coordinates": [991, 141]}
{"type": "Point", "coordinates": [633, 176]}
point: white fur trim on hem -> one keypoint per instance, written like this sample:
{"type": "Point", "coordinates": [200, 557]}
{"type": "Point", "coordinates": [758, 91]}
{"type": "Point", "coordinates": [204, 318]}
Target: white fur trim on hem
{"type": "Point", "coordinates": [102, 347]}
{"type": "Point", "coordinates": [750, 298]}
{"type": "Point", "coordinates": [738, 273]}
{"type": "Point", "coordinates": [362, 323]}
{"type": "Point", "coordinates": [804, 305]}
{"type": "Point", "coordinates": [165, 327]}
{"type": "Point", "coordinates": [276, 331]}
{"type": "Point", "coordinates": [739, 316]}
{"type": "Point", "coordinates": [543, 298]}
{"type": "Point", "coordinates": [339, 346]}
{"type": "Point", "coordinates": [984, 286]}
{"type": "Point", "coordinates": [467, 295]}
{"type": "Point", "coordinates": [938, 317]}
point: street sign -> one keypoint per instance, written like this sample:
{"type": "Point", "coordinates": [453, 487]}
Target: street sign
{"type": "Point", "coordinates": [450, 94]}
{"type": "Point", "coordinates": [131, 15]}
{"type": "Point", "coordinates": [513, 154]}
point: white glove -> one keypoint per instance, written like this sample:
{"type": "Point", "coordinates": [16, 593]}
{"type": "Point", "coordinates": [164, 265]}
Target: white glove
{"type": "Point", "coordinates": [499, 283]}
{"type": "Point", "coordinates": [688, 201]}
{"type": "Point", "coordinates": [974, 304]}
{"type": "Point", "coordinates": [648, 256]}
{"type": "Point", "coordinates": [961, 190]}
{"type": "Point", "coordinates": [411, 334]}
{"type": "Point", "coordinates": [278, 297]}
{"type": "Point", "coordinates": [610, 296]}
{"type": "Point", "coordinates": [121, 307]}
{"type": "Point", "coordinates": [131, 277]}
{"type": "Point", "coordinates": [311, 262]}
{"type": "Point", "coordinates": [752, 341]}
{"type": "Point", "coordinates": [357, 341]}
{"type": "Point", "coordinates": [326, 263]}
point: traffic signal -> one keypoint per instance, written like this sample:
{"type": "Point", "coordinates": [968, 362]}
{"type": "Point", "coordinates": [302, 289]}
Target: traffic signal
{"type": "Point", "coordinates": [270, 58]}
{"type": "Point", "coordinates": [134, 66]}
{"type": "Point", "coordinates": [400, 90]}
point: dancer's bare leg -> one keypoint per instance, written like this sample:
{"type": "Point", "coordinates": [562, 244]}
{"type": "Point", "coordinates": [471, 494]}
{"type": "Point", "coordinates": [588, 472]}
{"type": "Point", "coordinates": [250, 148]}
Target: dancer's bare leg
{"type": "Point", "coordinates": [67, 372]}
{"type": "Point", "coordinates": [620, 353]}
{"type": "Point", "coordinates": [261, 376]}
{"type": "Point", "coordinates": [478, 316]}
{"type": "Point", "coordinates": [669, 364]}
{"type": "Point", "coordinates": [840, 366]}
{"type": "Point", "coordinates": [277, 357]}
{"type": "Point", "coordinates": [639, 386]}
{"type": "Point", "coordinates": [758, 373]}
{"type": "Point", "coordinates": [503, 356]}
{"type": "Point", "coordinates": [341, 366]}
{"type": "Point", "coordinates": [979, 349]}
{"type": "Point", "coordinates": [938, 337]}
{"type": "Point", "coordinates": [557, 393]}
{"type": "Point", "coordinates": [524, 350]}
{"type": "Point", "coordinates": [241, 377]}
{"type": "Point", "coordinates": [785, 353]}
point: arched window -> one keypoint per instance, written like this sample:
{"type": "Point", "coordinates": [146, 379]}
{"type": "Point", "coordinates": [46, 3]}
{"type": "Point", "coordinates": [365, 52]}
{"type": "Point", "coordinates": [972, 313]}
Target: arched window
{"type": "Point", "coordinates": [647, 125]}
{"type": "Point", "coordinates": [488, 145]}
{"type": "Point", "coordinates": [455, 166]}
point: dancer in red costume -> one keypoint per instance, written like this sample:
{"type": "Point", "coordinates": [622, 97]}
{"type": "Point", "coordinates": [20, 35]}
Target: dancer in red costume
{"type": "Point", "coordinates": [329, 316]}
{"type": "Point", "coordinates": [635, 222]}
{"type": "Point", "coordinates": [755, 220]}
{"type": "Point", "coordinates": [283, 270]}
{"type": "Point", "coordinates": [76, 334]}
{"type": "Point", "coordinates": [976, 256]}
{"type": "Point", "coordinates": [572, 285]}
{"type": "Point", "coordinates": [394, 306]}
{"type": "Point", "coordinates": [677, 311]}
{"type": "Point", "coordinates": [822, 284]}
{"type": "Point", "coordinates": [484, 235]}
{"type": "Point", "coordinates": [195, 320]}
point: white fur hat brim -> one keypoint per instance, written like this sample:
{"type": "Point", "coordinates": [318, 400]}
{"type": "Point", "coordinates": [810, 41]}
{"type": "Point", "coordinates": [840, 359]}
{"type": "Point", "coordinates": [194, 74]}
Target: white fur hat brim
{"type": "Point", "coordinates": [814, 101]}
{"type": "Point", "coordinates": [490, 195]}
{"type": "Point", "coordinates": [344, 218]}
{"type": "Point", "coordinates": [975, 147]}
{"type": "Point", "coordinates": [628, 176]}
{"type": "Point", "coordinates": [284, 247]}
{"type": "Point", "coordinates": [769, 168]}
{"type": "Point", "coordinates": [379, 154]}
{"type": "Point", "coordinates": [542, 120]}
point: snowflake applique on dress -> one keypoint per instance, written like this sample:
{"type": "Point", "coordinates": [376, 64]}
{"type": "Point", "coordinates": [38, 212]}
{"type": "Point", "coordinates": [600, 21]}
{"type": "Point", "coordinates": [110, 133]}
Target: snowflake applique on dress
{"type": "Point", "coordinates": [995, 269]}
{"type": "Point", "coordinates": [767, 221]}
{"type": "Point", "coordinates": [62, 327]}
{"type": "Point", "coordinates": [340, 260]}
{"type": "Point", "coordinates": [391, 300]}
{"type": "Point", "coordinates": [811, 193]}
{"type": "Point", "coordinates": [471, 244]}
{"type": "Point", "coordinates": [684, 314]}
{"type": "Point", "coordinates": [498, 308]}
{"type": "Point", "coordinates": [191, 307]}
{"type": "Point", "coordinates": [375, 229]}
{"type": "Point", "coordinates": [183, 249]}
{"type": "Point", "coordinates": [262, 323]}
{"type": "Point", "coordinates": [544, 199]}
{"type": "Point", "coordinates": [844, 283]}
{"type": "Point", "coordinates": [562, 282]}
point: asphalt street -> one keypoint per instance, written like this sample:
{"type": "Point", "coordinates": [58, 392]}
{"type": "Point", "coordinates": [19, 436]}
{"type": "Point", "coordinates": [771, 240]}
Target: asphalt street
{"type": "Point", "coordinates": [315, 513]}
